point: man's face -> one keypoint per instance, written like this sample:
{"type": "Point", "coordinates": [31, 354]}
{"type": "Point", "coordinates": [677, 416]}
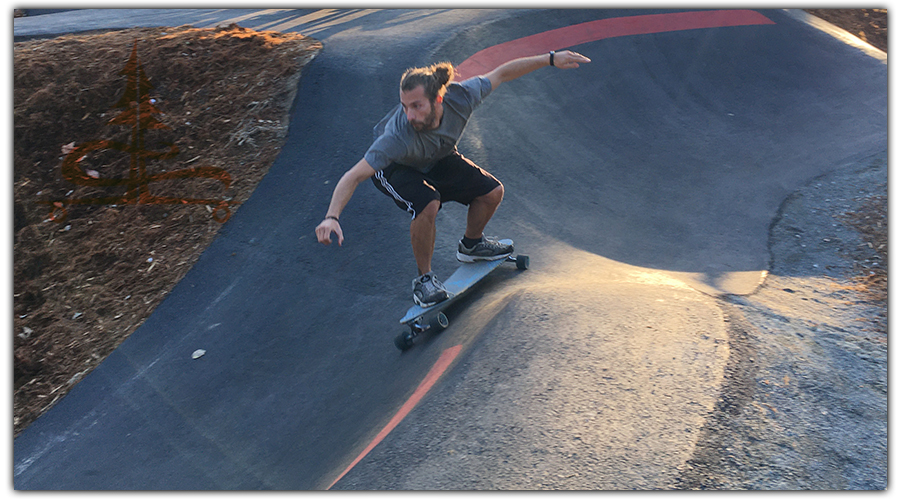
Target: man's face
{"type": "Point", "coordinates": [421, 113]}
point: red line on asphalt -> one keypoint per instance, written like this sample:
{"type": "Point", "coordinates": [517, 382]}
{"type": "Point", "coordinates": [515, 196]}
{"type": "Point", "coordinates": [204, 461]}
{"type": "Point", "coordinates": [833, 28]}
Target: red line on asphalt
{"type": "Point", "coordinates": [558, 39]}
{"type": "Point", "coordinates": [437, 370]}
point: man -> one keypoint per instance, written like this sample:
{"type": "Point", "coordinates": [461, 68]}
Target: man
{"type": "Point", "coordinates": [414, 160]}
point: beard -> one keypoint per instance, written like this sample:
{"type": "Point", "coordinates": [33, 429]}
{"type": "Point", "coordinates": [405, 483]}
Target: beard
{"type": "Point", "coordinates": [427, 123]}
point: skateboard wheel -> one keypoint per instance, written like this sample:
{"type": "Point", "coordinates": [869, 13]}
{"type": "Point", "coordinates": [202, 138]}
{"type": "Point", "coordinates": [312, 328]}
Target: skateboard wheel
{"type": "Point", "coordinates": [522, 262]}
{"type": "Point", "coordinates": [440, 322]}
{"type": "Point", "coordinates": [402, 341]}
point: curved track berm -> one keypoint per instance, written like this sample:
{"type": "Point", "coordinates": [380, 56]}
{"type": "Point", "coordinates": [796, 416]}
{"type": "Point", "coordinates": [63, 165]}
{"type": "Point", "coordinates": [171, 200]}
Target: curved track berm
{"type": "Point", "coordinates": [642, 184]}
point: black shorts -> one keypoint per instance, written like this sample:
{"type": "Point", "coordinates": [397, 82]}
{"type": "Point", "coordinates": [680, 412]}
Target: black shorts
{"type": "Point", "coordinates": [453, 178]}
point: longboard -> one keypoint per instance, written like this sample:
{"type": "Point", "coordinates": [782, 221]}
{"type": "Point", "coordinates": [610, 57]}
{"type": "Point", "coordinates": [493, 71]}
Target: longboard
{"type": "Point", "coordinates": [421, 319]}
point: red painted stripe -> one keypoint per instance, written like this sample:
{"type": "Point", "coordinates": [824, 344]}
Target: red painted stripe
{"type": "Point", "coordinates": [491, 57]}
{"type": "Point", "coordinates": [437, 370]}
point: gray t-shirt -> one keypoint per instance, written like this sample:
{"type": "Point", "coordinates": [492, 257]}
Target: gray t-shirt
{"type": "Point", "coordinates": [396, 141]}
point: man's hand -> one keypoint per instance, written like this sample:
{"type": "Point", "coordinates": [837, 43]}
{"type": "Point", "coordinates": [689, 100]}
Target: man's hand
{"type": "Point", "coordinates": [324, 230]}
{"type": "Point", "coordinates": [568, 59]}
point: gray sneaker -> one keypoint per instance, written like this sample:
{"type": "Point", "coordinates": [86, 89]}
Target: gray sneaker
{"type": "Point", "coordinates": [428, 290]}
{"type": "Point", "coordinates": [487, 249]}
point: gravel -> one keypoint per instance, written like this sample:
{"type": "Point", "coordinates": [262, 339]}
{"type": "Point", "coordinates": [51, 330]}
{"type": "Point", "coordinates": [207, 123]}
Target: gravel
{"type": "Point", "coordinates": [805, 402]}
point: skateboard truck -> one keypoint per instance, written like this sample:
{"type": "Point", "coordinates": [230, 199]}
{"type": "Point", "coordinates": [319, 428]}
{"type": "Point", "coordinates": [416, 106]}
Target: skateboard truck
{"type": "Point", "coordinates": [418, 326]}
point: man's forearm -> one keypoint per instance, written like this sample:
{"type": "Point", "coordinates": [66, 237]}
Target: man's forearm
{"type": "Point", "coordinates": [342, 194]}
{"type": "Point", "coordinates": [511, 70]}
{"type": "Point", "coordinates": [345, 187]}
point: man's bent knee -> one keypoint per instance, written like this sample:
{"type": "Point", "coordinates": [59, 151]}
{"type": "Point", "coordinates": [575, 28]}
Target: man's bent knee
{"type": "Point", "coordinates": [494, 197]}
{"type": "Point", "coordinates": [430, 211]}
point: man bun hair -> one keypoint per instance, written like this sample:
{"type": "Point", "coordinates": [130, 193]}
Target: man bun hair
{"type": "Point", "coordinates": [433, 79]}
{"type": "Point", "coordinates": [443, 72]}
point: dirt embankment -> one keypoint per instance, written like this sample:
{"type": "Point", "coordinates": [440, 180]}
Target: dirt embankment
{"type": "Point", "coordinates": [130, 149]}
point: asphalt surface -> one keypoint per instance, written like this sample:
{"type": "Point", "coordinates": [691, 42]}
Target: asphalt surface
{"type": "Point", "coordinates": [642, 185]}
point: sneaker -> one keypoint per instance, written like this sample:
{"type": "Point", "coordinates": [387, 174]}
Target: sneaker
{"type": "Point", "coordinates": [428, 290]}
{"type": "Point", "coordinates": [487, 249]}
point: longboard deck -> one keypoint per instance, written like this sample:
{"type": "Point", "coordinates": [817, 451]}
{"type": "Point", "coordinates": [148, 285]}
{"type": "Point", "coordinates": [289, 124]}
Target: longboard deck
{"type": "Point", "coordinates": [457, 285]}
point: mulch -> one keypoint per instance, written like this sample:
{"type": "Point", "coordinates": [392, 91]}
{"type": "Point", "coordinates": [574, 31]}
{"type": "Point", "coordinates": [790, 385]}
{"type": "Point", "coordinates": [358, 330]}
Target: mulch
{"type": "Point", "coordinates": [131, 148]}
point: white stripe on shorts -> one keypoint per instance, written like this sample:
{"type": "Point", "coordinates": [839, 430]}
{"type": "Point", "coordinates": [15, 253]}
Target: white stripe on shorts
{"type": "Point", "coordinates": [390, 189]}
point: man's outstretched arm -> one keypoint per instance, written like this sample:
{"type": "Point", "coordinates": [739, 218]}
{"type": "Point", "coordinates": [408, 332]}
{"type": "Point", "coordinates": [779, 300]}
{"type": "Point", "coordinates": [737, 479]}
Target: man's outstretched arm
{"type": "Point", "coordinates": [339, 199]}
{"type": "Point", "coordinates": [511, 70]}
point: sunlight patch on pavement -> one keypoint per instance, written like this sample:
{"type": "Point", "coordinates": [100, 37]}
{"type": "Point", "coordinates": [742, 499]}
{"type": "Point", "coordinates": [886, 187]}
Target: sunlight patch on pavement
{"type": "Point", "coordinates": [252, 15]}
